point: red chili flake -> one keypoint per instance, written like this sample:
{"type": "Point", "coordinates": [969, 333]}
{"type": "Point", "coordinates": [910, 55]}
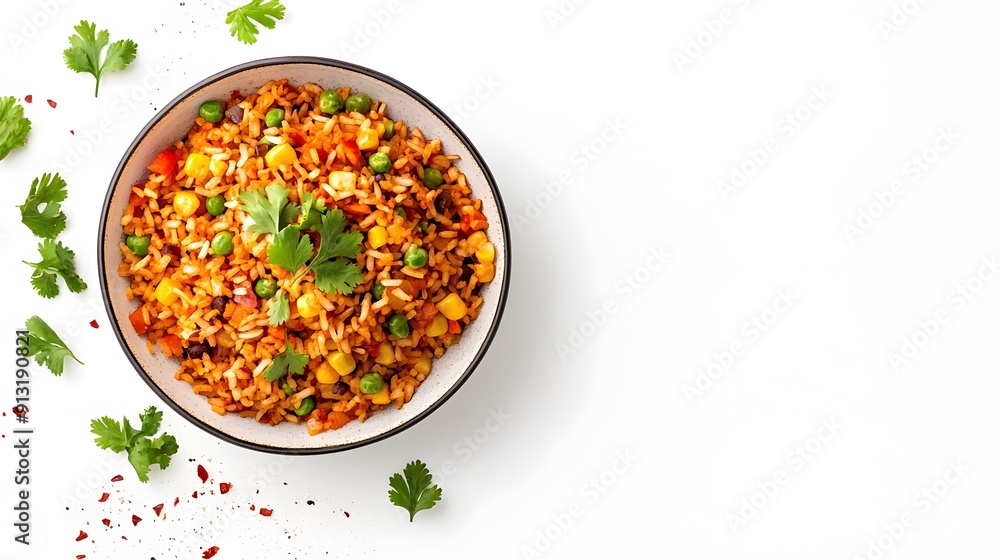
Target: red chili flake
{"type": "Point", "coordinates": [118, 478]}
{"type": "Point", "coordinates": [81, 536]}
{"type": "Point", "coordinates": [107, 522]}
{"type": "Point", "coordinates": [235, 94]}
{"type": "Point", "coordinates": [51, 103]}
{"type": "Point", "coordinates": [253, 507]}
{"type": "Point", "coordinates": [19, 410]}
{"type": "Point", "coordinates": [210, 552]}
{"type": "Point", "coordinates": [202, 474]}
{"type": "Point", "coordinates": [176, 501]}
{"type": "Point", "coordinates": [265, 512]}
{"type": "Point", "coordinates": [158, 509]}
{"type": "Point", "coordinates": [72, 132]}
{"type": "Point", "coordinates": [224, 487]}
{"type": "Point", "coordinates": [135, 520]}
{"type": "Point", "coordinates": [194, 494]}
{"type": "Point", "coordinates": [123, 538]}
{"type": "Point", "coordinates": [104, 497]}
{"type": "Point", "coordinates": [27, 99]}
{"type": "Point", "coordinates": [80, 556]}
{"type": "Point", "coordinates": [346, 514]}
{"type": "Point", "coordinates": [94, 323]}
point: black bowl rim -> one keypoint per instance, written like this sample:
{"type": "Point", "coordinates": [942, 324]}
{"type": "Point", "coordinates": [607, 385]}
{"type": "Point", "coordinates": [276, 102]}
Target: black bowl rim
{"type": "Point", "coordinates": [320, 61]}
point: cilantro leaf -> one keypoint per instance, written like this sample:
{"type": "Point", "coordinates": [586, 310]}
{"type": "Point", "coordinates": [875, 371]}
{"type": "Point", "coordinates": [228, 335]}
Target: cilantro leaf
{"type": "Point", "coordinates": [412, 490]}
{"type": "Point", "coordinates": [289, 250]}
{"type": "Point", "coordinates": [84, 54]}
{"type": "Point", "coordinates": [279, 311]}
{"type": "Point", "coordinates": [266, 13]}
{"type": "Point", "coordinates": [47, 348]}
{"type": "Point", "coordinates": [311, 215]}
{"type": "Point", "coordinates": [14, 127]}
{"type": "Point", "coordinates": [330, 228]}
{"type": "Point", "coordinates": [143, 450]}
{"type": "Point", "coordinates": [270, 213]}
{"type": "Point", "coordinates": [48, 191]}
{"type": "Point", "coordinates": [57, 260]}
{"type": "Point", "coordinates": [337, 276]}
{"type": "Point", "coordinates": [288, 361]}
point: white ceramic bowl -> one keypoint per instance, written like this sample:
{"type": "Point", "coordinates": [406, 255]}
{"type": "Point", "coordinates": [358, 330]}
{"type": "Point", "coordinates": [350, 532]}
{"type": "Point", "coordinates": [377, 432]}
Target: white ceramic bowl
{"type": "Point", "coordinates": [172, 123]}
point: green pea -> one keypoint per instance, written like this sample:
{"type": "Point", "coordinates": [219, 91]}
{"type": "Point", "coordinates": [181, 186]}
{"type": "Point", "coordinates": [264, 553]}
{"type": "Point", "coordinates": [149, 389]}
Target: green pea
{"type": "Point", "coordinates": [415, 257]}
{"type": "Point", "coordinates": [423, 226]}
{"type": "Point", "coordinates": [399, 211]}
{"type": "Point", "coordinates": [138, 244]}
{"type": "Point", "coordinates": [380, 162]}
{"type": "Point", "coordinates": [378, 290]}
{"type": "Point", "coordinates": [222, 243]}
{"type": "Point", "coordinates": [287, 388]}
{"type": "Point", "coordinates": [432, 178]}
{"type": "Point", "coordinates": [265, 288]}
{"type": "Point", "coordinates": [371, 383]}
{"type": "Point", "coordinates": [389, 125]}
{"type": "Point", "coordinates": [306, 406]}
{"type": "Point", "coordinates": [360, 103]}
{"type": "Point", "coordinates": [211, 111]}
{"type": "Point", "coordinates": [330, 102]}
{"type": "Point", "coordinates": [274, 117]}
{"type": "Point", "coordinates": [216, 205]}
{"type": "Point", "coordinates": [398, 325]}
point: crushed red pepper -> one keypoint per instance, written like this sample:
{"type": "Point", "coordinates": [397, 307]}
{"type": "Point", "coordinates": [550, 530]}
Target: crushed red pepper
{"type": "Point", "coordinates": [51, 103]}
{"type": "Point", "coordinates": [224, 487]}
{"type": "Point", "coordinates": [104, 497]}
{"type": "Point", "coordinates": [202, 474]}
{"type": "Point", "coordinates": [81, 536]}
{"type": "Point", "coordinates": [107, 522]}
{"type": "Point", "coordinates": [210, 552]}
{"type": "Point", "coordinates": [265, 512]}
{"type": "Point", "coordinates": [94, 322]}
{"type": "Point", "coordinates": [158, 508]}
{"type": "Point", "coordinates": [118, 478]}
{"type": "Point", "coordinates": [27, 99]}
{"type": "Point", "coordinates": [135, 520]}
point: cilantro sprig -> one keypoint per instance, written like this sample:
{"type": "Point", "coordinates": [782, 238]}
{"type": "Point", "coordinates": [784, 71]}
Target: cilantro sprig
{"type": "Point", "coordinates": [84, 54]}
{"type": "Point", "coordinates": [14, 126]}
{"type": "Point", "coordinates": [144, 450]}
{"type": "Point", "coordinates": [57, 262]}
{"type": "Point", "coordinates": [46, 347]}
{"type": "Point", "coordinates": [241, 20]}
{"type": "Point", "coordinates": [293, 250]}
{"type": "Point", "coordinates": [288, 361]}
{"type": "Point", "coordinates": [42, 211]}
{"type": "Point", "coordinates": [412, 490]}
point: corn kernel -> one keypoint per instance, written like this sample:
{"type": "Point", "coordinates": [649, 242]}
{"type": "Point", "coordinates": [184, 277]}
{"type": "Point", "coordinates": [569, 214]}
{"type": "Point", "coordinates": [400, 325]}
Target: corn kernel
{"type": "Point", "coordinates": [367, 139]}
{"type": "Point", "coordinates": [341, 362]}
{"type": "Point", "coordinates": [308, 305]}
{"type": "Point", "coordinates": [423, 365]}
{"type": "Point", "coordinates": [438, 326]}
{"type": "Point", "coordinates": [452, 307]}
{"type": "Point", "coordinates": [343, 180]}
{"type": "Point", "coordinates": [282, 154]}
{"type": "Point", "coordinates": [186, 203]}
{"type": "Point", "coordinates": [385, 354]}
{"type": "Point", "coordinates": [486, 253]}
{"type": "Point", "coordinates": [382, 397]}
{"type": "Point", "coordinates": [475, 241]}
{"type": "Point", "coordinates": [196, 166]}
{"type": "Point", "coordinates": [485, 272]}
{"type": "Point", "coordinates": [218, 167]}
{"type": "Point", "coordinates": [377, 237]}
{"type": "Point", "coordinates": [164, 292]}
{"type": "Point", "coordinates": [326, 375]}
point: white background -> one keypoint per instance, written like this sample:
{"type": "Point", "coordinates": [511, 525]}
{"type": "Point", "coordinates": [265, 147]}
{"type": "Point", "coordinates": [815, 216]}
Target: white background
{"type": "Point", "coordinates": [542, 484]}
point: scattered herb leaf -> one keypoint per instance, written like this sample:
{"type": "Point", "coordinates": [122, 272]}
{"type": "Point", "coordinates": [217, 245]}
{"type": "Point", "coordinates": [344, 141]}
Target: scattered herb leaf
{"type": "Point", "coordinates": [46, 347]}
{"type": "Point", "coordinates": [288, 361]}
{"type": "Point", "coordinates": [84, 54]}
{"type": "Point", "coordinates": [241, 23]}
{"type": "Point", "coordinates": [57, 261]}
{"type": "Point", "coordinates": [143, 449]}
{"type": "Point", "coordinates": [412, 490]}
{"type": "Point", "coordinates": [14, 127]}
{"type": "Point", "coordinates": [47, 192]}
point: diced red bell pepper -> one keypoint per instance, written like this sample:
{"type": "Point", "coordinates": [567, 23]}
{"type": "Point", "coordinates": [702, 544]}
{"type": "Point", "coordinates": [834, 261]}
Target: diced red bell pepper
{"type": "Point", "coordinates": [138, 324]}
{"type": "Point", "coordinates": [472, 222]}
{"type": "Point", "coordinates": [165, 163]}
{"type": "Point", "coordinates": [173, 342]}
{"type": "Point", "coordinates": [454, 327]}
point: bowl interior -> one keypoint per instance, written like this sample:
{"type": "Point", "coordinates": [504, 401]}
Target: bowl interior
{"type": "Point", "coordinates": [172, 123]}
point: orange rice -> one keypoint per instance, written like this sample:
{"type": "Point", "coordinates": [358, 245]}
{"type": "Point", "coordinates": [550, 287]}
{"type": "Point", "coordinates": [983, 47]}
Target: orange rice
{"type": "Point", "coordinates": [445, 221]}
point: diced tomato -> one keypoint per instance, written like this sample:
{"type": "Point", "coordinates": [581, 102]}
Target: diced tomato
{"type": "Point", "coordinates": [359, 209]}
{"type": "Point", "coordinates": [138, 323]}
{"type": "Point", "coordinates": [454, 327]}
{"type": "Point", "coordinates": [351, 151]}
{"type": "Point", "coordinates": [165, 163]}
{"type": "Point", "coordinates": [424, 316]}
{"type": "Point", "coordinates": [337, 420]}
{"type": "Point", "coordinates": [249, 299]}
{"type": "Point", "coordinates": [173, 342]}
{"type": "Point", "coordinates": [473, 221]}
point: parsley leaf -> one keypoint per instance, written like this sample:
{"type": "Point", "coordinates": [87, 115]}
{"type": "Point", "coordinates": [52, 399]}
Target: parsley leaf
{"type": "Point", "coordinates": [279, 311]}
{"type": "Point", "coordinates": [414, 493]}
{"type": "Point", "coordinates": [143, 450]}
{"type": "Point", "coordinates": [47, 348]}
{"type": "Point", "coordinates": [57, 260]}
{"type": "Point", "coordinates": [337, 276]}
{"type": "Point", "coordinates": [266, 13]}
{"type": "Point", "coordinates": [288, 361]}
{"type": "Point", "coordinates": [270, 213]}
{"type": "Point", "coordinates": [84, 54]}
{"type": "Point", "coordinates": [290, 250]}
{"type": "Point", "coordinates": [14, 127]}
{"type": "Point", "coordinates": [48, 191]}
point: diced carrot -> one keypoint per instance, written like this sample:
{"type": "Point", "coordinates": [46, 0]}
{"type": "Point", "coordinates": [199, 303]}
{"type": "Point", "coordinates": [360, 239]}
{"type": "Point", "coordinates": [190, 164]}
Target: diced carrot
{"type": "Point", "coordinates": [337, 420]}
{"type": "Point", "coordinates": [173, 342]}
{"type": "Point", "coordinates": [473, 221]}
{"type": "Point", "coordinates": [360, 209]}
{"type": "Point", "coordinates": [295, 138]}
{"type": "Point", "coordinates": [351, 151]}
{"type": "Point", "coordinates": [276, 332]}
{"type": "Point", "coordinates": [454, 327]}
{"type": "Point", "coordinates": [138, 324]}
{"type": "Point", "coordinates": [165, 163]}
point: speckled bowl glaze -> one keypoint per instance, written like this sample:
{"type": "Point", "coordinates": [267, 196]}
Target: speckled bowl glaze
{"type": "Point", "coordinates": [173, 122]}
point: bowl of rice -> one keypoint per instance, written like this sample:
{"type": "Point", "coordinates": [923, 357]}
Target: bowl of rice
{"type": "Point", "coordinates": [303, 256]}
